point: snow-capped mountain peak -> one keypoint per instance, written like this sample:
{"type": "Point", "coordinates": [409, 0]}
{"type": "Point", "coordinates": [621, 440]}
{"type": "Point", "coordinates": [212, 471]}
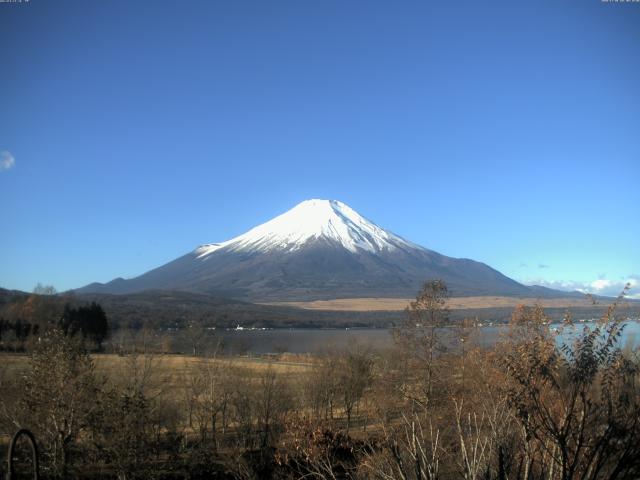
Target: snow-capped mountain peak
{"type": "Point", "coordinates": [318, 250]}
{"type": "Point", "coordinates": [310, 220]}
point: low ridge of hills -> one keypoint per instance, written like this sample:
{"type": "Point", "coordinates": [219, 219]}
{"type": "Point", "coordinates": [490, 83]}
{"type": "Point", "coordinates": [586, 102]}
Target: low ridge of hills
{"type": "Point", "coordinates": [178, 309]}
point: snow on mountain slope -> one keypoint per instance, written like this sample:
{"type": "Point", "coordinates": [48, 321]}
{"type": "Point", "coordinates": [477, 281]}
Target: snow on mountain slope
{"type": "Point", "coordinates": [312, 220]}
{"type": "Point", "coordinates": [320, 249]}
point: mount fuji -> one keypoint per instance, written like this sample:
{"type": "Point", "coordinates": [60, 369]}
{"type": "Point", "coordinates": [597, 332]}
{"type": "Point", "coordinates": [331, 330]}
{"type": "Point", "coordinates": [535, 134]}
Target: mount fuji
{"type": "Point", "coordinates": [320, 249]}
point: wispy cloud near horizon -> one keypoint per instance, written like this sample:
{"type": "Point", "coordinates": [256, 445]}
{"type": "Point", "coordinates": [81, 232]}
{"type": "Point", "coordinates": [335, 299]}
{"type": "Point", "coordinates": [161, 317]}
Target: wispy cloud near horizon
{"type": "Point", "coordinates": [7, 161]}
{"type": "Point", "coordinates": [600, 286]}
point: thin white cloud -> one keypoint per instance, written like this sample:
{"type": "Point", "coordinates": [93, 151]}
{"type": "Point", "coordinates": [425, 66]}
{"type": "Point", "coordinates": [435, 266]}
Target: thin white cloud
{"type": "Point", "coordinates": [7, 161]}
{"type": "Point", "coordinates": [601, 286]}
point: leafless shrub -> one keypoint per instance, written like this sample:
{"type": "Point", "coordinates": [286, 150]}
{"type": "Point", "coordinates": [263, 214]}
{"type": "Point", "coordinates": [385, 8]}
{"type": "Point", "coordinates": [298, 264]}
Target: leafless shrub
{"type": "Point", "coordinates": [577, 405]}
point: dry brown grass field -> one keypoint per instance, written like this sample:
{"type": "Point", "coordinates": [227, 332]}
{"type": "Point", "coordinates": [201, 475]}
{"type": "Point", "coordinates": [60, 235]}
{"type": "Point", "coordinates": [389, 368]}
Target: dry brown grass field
{"type": "Point", "coordinates": [167, 372]}
{"type": "Point", "coordinates": [285, 363]}
{"type": "Point", "coordinates": [456, 303]}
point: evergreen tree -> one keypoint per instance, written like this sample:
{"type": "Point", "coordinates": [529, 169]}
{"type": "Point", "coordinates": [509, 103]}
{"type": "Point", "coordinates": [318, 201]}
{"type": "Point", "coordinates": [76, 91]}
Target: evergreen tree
{"type": "Point", "coordinates": [89, 321]}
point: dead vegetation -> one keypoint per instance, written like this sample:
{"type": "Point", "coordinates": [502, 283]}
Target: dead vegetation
{"type": "Point", "coordinates": [530, 408]}
{"type": "Point", "coordinates": [454, 303]}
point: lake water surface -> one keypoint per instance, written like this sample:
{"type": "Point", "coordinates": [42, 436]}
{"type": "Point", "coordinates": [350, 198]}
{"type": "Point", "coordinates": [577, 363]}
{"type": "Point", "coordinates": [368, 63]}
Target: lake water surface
{"type": "Point", "coordinates": [301, 340]}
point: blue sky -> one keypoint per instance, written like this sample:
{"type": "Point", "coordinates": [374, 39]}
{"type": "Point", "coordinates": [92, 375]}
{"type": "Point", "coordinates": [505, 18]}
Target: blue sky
{"type": "Point", "coordinates": [507, 132]}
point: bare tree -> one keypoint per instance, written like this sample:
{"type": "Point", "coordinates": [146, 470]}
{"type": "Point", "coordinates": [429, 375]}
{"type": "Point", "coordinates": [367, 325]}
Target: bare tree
{"type": "Point", "coordinates": [419, 338]}
{"type": "Point", "coordinates": [321, 387]}
{"type": "Point", "coordinates": [196, 335]}
{"type": "Point", "coordinates": [41, 289]}
{"type": "Point", "coordinates": [412, 450]}
{"type": "Point", "coordinates": [354, 376]}
{"type": "Point", "coordinates": [60, 395]}
{"type": "Point", "coordinates": [208, 396]}
{"type": "Point", "coordinates": [272, 403]}
{"type": "Point", "coordinates": [578, 405]}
